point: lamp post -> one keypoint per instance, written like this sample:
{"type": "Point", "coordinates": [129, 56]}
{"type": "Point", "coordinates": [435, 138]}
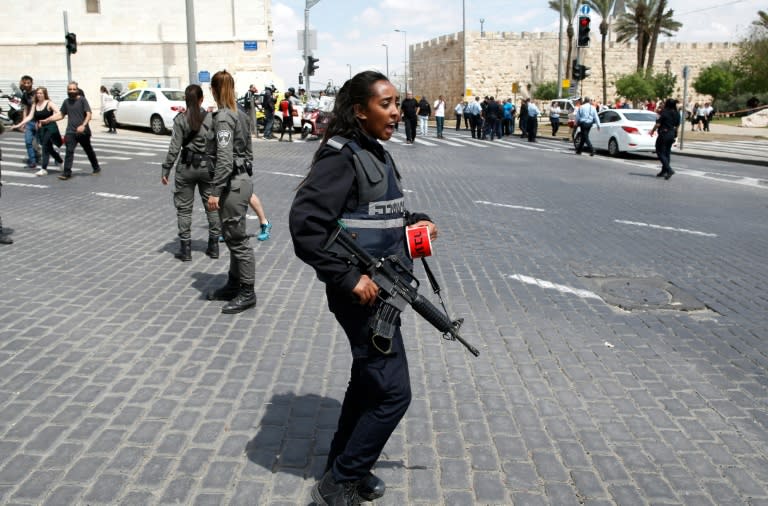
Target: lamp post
{"type": "Point", "coordinates": [482, 33]}
{"type": "Point", "coordinates": [405, 56]}
{"type": "Point", "coordinates": [668, 65]}
{"type": "Point", "coordinates": [350, 70]}
{"type": "Point", "coordinates": [307, 51]}
{"type": "Point", "coordinates": [386, 48]}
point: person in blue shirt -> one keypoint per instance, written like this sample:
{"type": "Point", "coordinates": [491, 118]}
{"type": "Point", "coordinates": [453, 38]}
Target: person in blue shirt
{"type": "Point", "coordinates": [533, 120]}
{"type": "Point", "coordinates": [586, 117]}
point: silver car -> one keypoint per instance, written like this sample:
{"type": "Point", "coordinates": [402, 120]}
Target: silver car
{"type": "Point", "coordinates": [150, 107]}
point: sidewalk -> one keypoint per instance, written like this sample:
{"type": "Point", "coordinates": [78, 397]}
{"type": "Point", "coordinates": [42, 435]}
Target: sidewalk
{"type": "Point", "coordinates": [726, 143]}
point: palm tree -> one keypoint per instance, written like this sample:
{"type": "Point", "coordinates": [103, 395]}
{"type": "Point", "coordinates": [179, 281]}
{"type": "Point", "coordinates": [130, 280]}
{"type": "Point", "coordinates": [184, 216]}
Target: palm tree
{"type": "Point", "coordinates": [603, 9]}
{"type": "Point", "coordinates": [569, 8]}
{"type": "Point", "coordinates": [762, 19]}
{"type": "Point", "coordinates": [640, 23]}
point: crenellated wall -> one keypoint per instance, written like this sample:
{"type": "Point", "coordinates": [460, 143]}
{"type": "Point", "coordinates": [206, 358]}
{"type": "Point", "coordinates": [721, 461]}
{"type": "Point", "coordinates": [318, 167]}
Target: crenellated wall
{"type": "Point", "coordinates": [497, 60]}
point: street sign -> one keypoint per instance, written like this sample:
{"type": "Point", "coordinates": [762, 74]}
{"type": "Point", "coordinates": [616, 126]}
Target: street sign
{"type": "Point", "coordinates": [566, 84]}
{"type": "Point", "coordinates": [250, 45]}
{"type": "Point", "coordinates": [584, 10]}
{"type": "Point", "coordinates": [468, 92]}
{"type": "Point", "coordinates": [515, 87]}
{"type": "Point", "coordinates": [204, 76]}
{"type": "Point", "coordinates": [312, 40]}
{"type": "Point", "coordinates": [311, 3]}
{"type": "Point", "coordinates": [686, 72]}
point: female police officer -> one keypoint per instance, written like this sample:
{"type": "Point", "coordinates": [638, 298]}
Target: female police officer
{"type": "Point", "coordinates": [190, 134]}
{"type": "Point", "coordinates": [336, 188]}
{"type": "Point", "coordinates": [231, 189]}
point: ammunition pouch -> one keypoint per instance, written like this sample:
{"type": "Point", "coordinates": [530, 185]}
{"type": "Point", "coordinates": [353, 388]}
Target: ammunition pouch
{"type": "Point", "coordinates": [242, 166]}
{"type": "Point", "coordinates": [189, 157]}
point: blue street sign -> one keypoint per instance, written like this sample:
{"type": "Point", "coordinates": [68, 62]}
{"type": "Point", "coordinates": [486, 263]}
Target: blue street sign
{"type": "Point", "coordinates": [204, 76]}
{"type": "Point", "coordinates": [250, 45]}
{"type": "Point", "coordinates": [584, 9]}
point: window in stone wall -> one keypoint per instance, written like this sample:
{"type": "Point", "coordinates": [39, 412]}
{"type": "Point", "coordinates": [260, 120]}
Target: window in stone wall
{"type": "Point", "coordinates": [92, 6]}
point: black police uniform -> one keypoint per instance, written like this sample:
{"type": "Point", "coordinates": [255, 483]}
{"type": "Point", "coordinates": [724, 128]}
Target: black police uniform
{"type": "Point", "coordinates": [194, 169]}
{"type": "Point", "coordinates": [379, 390]}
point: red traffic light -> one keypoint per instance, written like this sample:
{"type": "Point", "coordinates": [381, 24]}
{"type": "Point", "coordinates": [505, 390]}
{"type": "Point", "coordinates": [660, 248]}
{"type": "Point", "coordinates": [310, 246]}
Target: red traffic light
{"type": "Point", "coordinates": [584, 21]}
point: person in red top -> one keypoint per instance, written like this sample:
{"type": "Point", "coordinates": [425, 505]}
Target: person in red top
{"type": "Point", "coordinates": [287, 109]}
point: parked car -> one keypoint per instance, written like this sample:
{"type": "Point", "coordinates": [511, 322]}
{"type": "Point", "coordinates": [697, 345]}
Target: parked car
{"type": "Point", "coordinates": [150, 107]}
{"type": "Point", "coordinates": [622, 131]}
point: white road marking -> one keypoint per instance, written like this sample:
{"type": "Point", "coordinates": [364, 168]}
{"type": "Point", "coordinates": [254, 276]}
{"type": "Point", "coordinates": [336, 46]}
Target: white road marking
{"type": "Point", "coordinates": [528, 280]}
{"type": "Point", "coordinates": [25, 185]}
{"type": "Point", "coordinates": [510, 206]}
{"type": "Point", "coordinates": [115, 196]}
{"type": "Point", "coordinates": [661, 227]}
{"type": "Point", "coordinates": [16, 173]}
{"type": "Point", "coordinates": [284, 174]}
{"type": "Point", "coordinates": [422, 141]}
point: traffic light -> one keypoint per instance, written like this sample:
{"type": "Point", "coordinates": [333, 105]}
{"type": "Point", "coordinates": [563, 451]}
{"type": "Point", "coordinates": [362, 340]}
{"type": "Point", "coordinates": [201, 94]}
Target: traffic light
{"type": "Point", "coordinates": [583, 38]}
{"type": "Point", "coordinates": [311, 65]}
{"type": "Point", "coordinates": [71, 39]}
{"type": "Point", "coordinates": [584, 71]}
{"type": "Point", "coordinates": [576, 71]}
{"type": "Point", "coordinates": [301, 78]}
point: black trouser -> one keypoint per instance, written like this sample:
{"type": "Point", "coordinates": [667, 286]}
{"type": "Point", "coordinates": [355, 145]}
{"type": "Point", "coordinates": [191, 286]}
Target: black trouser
{"type": "Point", "coordinates": [584, 129]}
{"type": "Point", "coordinates": [110, 117]}
{"type": "Point", "coordinates": [377, 396]}
{"type": "Point", "coordinates": [533, 127]}
{"type": "Point", "coordinates": [664, 150]}
{"type": "Point", "coordinates": [555, 125]}
{"type": "Point", "coordinates": [410, 128]}
{"type": "Point", "coordinates": [84, 139]}
{"type": "Point", "coordinates": [458, 121]}
{"type": "Point", "coordinates": [474, 125]}
{"type": "Point", "coordinates": [523, 126]}
{"type": "Point", "coordinates": [490, 127]}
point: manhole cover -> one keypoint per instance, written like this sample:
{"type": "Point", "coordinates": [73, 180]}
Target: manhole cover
{"type": "Point", "coordinates": [643, 293]}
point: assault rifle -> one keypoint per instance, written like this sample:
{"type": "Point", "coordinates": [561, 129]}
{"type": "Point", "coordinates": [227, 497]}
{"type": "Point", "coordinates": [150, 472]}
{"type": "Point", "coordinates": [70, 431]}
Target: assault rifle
{"type": "Point", "coordinates": [397, 288]}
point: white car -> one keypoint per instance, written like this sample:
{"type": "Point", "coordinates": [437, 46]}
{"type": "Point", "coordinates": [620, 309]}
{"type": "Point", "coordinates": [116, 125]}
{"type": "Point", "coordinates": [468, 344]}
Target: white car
{"type": "Point", "coordinates": [150, 107]}
{"type": "Point", "coordinates": [622, 131]}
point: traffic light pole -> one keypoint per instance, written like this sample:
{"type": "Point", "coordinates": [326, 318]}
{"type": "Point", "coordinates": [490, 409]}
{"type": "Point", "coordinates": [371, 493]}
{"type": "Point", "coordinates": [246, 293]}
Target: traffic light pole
{"type": "Point", "coordinates": [69, 57]}
{"type": "Point", "coordinates": [306, 48]}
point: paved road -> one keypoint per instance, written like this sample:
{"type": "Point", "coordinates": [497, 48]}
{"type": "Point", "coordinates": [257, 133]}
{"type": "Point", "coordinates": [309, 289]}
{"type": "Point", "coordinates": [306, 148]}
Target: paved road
{"type": "Point", "coordinates": [620, 318]}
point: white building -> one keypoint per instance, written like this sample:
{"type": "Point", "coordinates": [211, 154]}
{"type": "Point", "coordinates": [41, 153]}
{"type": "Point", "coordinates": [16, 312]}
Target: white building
{"type": "Point", "coordinates": [124, 41]}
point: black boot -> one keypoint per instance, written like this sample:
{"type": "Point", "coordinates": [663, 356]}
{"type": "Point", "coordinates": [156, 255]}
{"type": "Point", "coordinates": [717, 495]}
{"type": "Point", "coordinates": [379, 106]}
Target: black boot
{"type": "Point", "coordinates": [213, 247]}
{"type": "Point", "coordinates": [371, 487]}
{"type": "Point", "coordinates": [185, 250]}
{"type": "Point", "coordinates": [329, 491]}
{"type": "Point", "coordinates": [226, 292]}
{"type": "Point", "coordinates": [246, 298]}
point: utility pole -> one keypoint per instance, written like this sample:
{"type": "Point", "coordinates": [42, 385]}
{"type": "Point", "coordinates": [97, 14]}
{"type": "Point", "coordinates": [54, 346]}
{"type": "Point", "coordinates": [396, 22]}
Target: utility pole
{"type": "Point", "coordinates": [307, 51]}
{"type": "Point", "coordinates": [191, 42]}
{"type": "Point", "coordinates": [464, 49]}
{"type": "Point", "coordinates": [69, 58]}
{"type": "Point", "coordinates": [560, 55]}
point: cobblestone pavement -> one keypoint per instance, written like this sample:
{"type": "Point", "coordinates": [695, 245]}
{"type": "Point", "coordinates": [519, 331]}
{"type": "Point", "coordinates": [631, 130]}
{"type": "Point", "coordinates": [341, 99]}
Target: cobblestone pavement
{"type": "Point", "coordinates": [621, 321]}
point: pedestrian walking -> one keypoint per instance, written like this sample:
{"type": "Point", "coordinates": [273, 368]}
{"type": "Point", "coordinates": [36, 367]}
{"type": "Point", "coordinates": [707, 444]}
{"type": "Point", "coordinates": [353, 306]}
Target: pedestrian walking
{"type": "Point", "coordinates": [27, 95]}
{"type": "Point", "coordinates": [474, 112]}
{"type": "Point", "coordinates": [230, 193]}
{"type": "Point", "coordinates": [586, 117]}
{"type": "Point", "coordinates": [424, 111]}
{"type": "Point", "coordinates": [268, 106]}
{"type": "Point", "coordinates": [554, 117]}
{"type": "Point", "coordinates": [524, 117]}
{"type": "Point", "coordinates": [48, 136]}
{"type": "Point", "coordinates": [189, 138]}
{"type": "Point", "coordinates": [78, 113]}
{"type": "Point", "coordinates": [409, 110]}
{"type": "Point", "coordinates": [439, 108]}
{"type": "Point", "coordinates": [509, 117]}
{"type": "Point", "coordinates": [108, 108]}
{"type": "Point", "coordinates": [265, 227]}
{"type": "Point", "coordinates": [666, 125]}
{"type": "Point", "coordinates": [532, 124]}
{"type": "Point", "coordinates": [492, 114]}
{"type": "Point", "coordinates": [286, 109]}
{"type": "Point", "coordinates": [337, 189]}
{"type": "Point", "coordinates": [459, 110]}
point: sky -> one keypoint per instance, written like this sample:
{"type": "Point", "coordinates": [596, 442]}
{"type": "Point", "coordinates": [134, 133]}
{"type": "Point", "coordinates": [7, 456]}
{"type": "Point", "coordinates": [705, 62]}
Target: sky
{"type": "Point", "coordinates": [350, 33]}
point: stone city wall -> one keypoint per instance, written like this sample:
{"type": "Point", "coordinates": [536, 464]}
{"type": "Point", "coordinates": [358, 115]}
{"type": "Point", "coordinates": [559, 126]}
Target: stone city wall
{"type": "Point", "coordinates": [497, 60]}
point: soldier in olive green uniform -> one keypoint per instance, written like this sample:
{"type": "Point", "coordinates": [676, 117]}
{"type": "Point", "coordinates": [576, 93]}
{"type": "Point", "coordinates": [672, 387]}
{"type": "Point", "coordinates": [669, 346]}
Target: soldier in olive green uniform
{"type": "Point", "coordinates": [230, 144]}
{"type": "Point", "coordinates": [191, 133]}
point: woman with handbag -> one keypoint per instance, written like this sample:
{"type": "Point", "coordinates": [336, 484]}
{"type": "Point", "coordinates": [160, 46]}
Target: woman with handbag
{"type": "Point", "coordinates": [48, 135]}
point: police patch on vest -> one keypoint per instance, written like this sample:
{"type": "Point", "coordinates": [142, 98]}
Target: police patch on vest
{"type": "Point", "coordinates": [224, 137]}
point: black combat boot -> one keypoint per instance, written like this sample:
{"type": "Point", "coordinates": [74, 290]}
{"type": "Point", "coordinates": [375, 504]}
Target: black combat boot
{"type": "Point", "coordinates": [329, 491]}
{"type": "Point", "coordinates": [213, 247]}
{"type": "Point", "coordinates": [185, 250]}
{"type": "Point", "coordinates": [246, 298]}
{"type": "Point", "coordinates": [226, 292]}
{"type": "Point", "coordinates": [371, 487]}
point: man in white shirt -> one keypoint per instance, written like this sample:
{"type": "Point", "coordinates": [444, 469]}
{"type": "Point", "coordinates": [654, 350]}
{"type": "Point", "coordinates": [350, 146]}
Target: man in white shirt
{"type": "Point", "coordinates": [586, 116]}
{"type": "Point", "coordinates": [439, 108]}
{"type": "Point", "coordinates": [459, 110]}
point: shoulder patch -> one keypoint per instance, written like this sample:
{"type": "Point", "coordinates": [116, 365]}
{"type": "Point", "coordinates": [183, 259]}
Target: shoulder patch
{"type": "Point", "coordinates": [223, 137]}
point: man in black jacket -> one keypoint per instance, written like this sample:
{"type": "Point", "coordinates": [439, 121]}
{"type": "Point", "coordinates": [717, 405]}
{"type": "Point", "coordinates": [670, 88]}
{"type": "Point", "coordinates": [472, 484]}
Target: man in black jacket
{"type": "Point", "coordinates": [409, 109]}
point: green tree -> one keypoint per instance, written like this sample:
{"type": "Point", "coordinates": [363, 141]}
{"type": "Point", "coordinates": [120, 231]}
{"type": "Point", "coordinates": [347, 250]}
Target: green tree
{"type": "Point", "coordinates": [603, 9]}
{"type": "Point", "coordinates": [546, 91]}
{"type": "Point", "coordinates": [717, 80]}
{"type": "Point", "coordinates": [663, 85]}
{"type": "Point", "coordinates": [644, 21]}
{"type": "Point", "coordinates": [634, 87]}
{"type": "Point", "coordinates": [569, 9]}
{"type": "Point", "coordinates": [752, 59]}
{"type": "Point", "coordinates": [762, 19]}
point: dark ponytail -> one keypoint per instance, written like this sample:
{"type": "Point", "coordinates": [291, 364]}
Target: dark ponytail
{"type": "Point", "coordinates": [192, 95]}
{"type": "Point", "coordinates": [356, 91]}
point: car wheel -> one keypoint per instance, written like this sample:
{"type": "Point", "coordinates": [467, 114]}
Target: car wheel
{"type": "Point", "coordinates": [576, 140]}
{"type": "Point", "coordinates": [306, 130]}
{"type": "Point", "coordinates": [157, 125]}
{"type": "Point", "coordinates": [613, 147]}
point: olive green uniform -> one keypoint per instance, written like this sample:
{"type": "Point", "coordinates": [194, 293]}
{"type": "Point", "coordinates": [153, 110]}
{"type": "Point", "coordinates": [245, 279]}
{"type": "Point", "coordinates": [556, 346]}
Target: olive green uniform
{"type": "Point", "coordinates": [230, 145]}
{"type": "Point", "coordinates": [194, 173]}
